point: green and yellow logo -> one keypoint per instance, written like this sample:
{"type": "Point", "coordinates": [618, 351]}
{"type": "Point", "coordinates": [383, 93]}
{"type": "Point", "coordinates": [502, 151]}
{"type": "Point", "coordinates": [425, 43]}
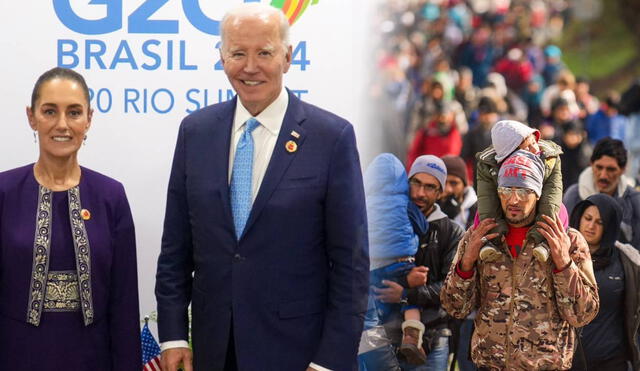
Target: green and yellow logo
{"type": "Point", "coordinates": [293, 9]}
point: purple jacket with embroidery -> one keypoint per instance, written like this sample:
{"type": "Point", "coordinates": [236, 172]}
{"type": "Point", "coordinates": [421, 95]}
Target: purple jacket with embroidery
{"type": "Point", "coordinates": [42, 312]}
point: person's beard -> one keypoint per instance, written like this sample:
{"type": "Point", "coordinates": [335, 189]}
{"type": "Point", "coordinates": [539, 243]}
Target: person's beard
{"type": "Point", "coordinates": [427, 208]}
{"type": "Point", "coordinates": [605, 186]}
{"type": "Point", "coordinates": [525, 220]}
{"type": "Point", "coordinates": [450, 206]}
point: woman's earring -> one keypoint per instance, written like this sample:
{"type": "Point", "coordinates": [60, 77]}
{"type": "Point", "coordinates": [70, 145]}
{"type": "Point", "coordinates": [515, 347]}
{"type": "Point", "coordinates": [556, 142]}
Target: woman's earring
{"type": "Point", "coordinates": [84, 141]}
{"type": "Point", "coordinates": [35, 137]}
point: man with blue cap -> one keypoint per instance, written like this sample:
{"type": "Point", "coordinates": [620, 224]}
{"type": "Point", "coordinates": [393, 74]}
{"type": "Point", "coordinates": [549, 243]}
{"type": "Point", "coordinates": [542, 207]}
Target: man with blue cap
{"type": "Point", "coordinates": [427, 179]}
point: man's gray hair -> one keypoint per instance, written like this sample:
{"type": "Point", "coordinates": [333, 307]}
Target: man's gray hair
{"type": "Point", "coordinates": [257, 10]}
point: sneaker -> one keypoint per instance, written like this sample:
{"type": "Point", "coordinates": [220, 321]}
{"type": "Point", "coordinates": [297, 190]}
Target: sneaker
{"type": "Point", "coordinates": [488, 254]}
{"type": "Point", "coordinates": [411, 347]}
{"type": "Point", "coordinates": [541, 252]}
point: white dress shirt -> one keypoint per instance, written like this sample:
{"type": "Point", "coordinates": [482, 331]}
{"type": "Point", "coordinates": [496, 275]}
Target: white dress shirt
{"type": "Point", "coordinates": [265, 137]}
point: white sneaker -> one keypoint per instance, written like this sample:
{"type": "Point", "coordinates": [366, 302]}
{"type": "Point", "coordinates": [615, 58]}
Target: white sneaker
{"type": "Point", "coordinates": [541, 252]}
{"type": "Point", "coordinates": [488, 254]}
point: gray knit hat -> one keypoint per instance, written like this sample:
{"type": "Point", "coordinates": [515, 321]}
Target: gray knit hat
{"type": "Point", "coordinates": [431, 165]}
{"type": "Point", "coordinates": [522, 169]}
{"type": "Point", "coordinates": [507, 135]}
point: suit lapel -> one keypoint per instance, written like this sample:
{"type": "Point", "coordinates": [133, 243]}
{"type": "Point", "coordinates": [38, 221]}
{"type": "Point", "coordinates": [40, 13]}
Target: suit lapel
{"type": "Point", "coordinates": [220, 157]}
{"type": "Point", "coordinates": [281, 157]}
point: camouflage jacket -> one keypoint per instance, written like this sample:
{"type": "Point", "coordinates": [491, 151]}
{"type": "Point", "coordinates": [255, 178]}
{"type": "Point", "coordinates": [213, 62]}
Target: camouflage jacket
{"type": "Point", "coordinates": [526, 312]}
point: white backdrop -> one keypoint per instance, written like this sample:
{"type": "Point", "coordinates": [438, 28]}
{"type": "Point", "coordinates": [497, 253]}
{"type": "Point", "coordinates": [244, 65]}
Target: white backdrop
{"type": "Point", "coordinates": [142, 84]}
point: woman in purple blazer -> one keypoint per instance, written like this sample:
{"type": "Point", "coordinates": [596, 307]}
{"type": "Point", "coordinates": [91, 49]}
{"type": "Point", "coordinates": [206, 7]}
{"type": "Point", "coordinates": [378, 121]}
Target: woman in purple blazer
{"type": "Point", "coordinates": [68, 279]}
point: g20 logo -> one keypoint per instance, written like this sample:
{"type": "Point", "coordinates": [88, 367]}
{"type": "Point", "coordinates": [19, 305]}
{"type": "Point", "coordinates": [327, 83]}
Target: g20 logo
{"type": "Point", "coordinates": [138, 21]}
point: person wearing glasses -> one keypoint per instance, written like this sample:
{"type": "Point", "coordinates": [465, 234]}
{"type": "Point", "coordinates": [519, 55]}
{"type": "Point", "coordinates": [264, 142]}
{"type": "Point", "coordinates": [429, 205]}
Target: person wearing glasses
{"type": "Point", "coordinates": [427, 179]}
{"type": "Point", "coordinates": [527, 312]}
{"type": "Point", "coordinates": [508, 136]}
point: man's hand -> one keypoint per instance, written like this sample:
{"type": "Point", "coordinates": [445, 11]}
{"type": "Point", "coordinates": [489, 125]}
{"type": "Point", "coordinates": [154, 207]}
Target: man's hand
{"type": "Point", "coordinates": [558, 240]}
{"type": "Point", "coordinates": [579, 246]}
{"type": "Point", "coordinates": [172, 358]}
{"type": "Point", "coordinates": [390, 294]}
{"type": "Point", "coordinates": [476, 242]}
{"type": "Point", "coordinates": [418, 276]}
{"type": "Point", "coordinates": [581, 255]}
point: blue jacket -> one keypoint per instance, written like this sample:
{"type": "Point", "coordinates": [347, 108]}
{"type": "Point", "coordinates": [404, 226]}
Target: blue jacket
{"type": "Point", "coordinates": [598, 126]}
{"type": "Point", "coordinates": [391, 234]}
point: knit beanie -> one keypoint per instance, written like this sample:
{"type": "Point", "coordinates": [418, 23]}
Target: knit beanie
{"type": "Point", "coordinates": [456, 166]}
{"type": "Point", "coordinates": [507, 135]}
{"type": "Point", "coordinates": [522, 169]}
{"type": "Point", "coordinates": [431, 165]}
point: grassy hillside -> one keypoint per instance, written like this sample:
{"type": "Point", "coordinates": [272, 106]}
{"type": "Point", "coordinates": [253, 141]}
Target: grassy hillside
{"type": "Point", "coordinates": [603, 50]}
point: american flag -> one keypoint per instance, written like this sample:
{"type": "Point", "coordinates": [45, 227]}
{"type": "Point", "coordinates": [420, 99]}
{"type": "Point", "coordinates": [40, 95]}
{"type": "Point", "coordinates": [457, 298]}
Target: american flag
{"type": "Point", "coordinates": [150, 350]}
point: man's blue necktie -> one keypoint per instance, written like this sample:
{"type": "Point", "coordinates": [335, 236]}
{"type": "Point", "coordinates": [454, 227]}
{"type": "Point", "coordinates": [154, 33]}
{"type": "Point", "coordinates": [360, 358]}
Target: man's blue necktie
{"type": "Point", "coordinates": [241, 177]}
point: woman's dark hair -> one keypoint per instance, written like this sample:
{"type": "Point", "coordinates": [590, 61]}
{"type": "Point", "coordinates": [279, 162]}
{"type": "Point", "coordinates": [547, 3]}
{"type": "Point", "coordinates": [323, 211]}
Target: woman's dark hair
{"type": "Point", "coordinates": [610, 147]}
{"type": "Point", "coordinates": [58, 73]}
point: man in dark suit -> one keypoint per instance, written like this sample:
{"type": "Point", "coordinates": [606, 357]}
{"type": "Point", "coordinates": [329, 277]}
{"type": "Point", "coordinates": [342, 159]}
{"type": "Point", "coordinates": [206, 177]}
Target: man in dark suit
{"type": "Point", "coordinates": [265, 228]}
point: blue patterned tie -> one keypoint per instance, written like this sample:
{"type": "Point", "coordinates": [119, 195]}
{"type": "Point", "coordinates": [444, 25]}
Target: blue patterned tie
{"type": "Point", "coordinates": [241, 177]}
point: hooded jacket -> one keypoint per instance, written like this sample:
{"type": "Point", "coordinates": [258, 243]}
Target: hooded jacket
{"type": "Point", "coordinates": [391, 233]}
{"type": "Point", "coordinates": [627, 197]}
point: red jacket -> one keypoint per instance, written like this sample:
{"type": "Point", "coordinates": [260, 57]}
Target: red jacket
{"type": "Point", "coordinates": [429, 141]}
{"type": "Point", "coordinates": [516, 74]}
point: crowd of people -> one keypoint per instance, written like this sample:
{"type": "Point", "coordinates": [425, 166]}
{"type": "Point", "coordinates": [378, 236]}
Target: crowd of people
{"type": "Point", "coordinates": [449, 69]}
{"type": "Point", "coordinates": [541, 173]}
